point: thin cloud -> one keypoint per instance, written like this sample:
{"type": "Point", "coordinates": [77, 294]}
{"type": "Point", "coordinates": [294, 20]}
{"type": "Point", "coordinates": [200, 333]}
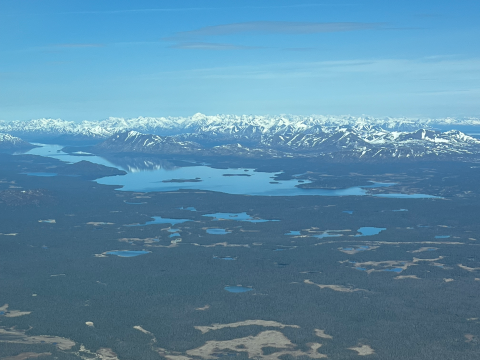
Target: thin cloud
{"type": "Point", "coordinates": [211, 46]}
{"type": "Point", "coordinates": [274, 27]}
{"type": "Point", "coordinates": [464, 71]}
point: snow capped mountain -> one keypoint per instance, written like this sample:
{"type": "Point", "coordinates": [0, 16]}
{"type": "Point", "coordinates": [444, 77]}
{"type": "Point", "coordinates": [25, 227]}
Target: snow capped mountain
{"type": "Point", "coordinates": [340, 143]}
{"type": "Point", "coordinates": [252, 135]}
{"type": "Point", "coordinates": [12, 143]}
{"type": "Point", "coordinates": [133, 141]}
{"type": "Point", "coordinates": [232, 126]}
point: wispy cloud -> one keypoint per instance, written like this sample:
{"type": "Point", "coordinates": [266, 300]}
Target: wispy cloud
{"type": "Point", "coordinates": [210, 46]}
{"type": "Point", "coordinates": [274, 27]}
{"type": "Point", "coordinates": [392, 71]}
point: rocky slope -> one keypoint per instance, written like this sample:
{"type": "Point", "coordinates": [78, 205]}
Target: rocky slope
{"type": "Point", "coordinates": [260, 136]}
{"type": "Point", "coordinates": [339, 143]}
{"type": "Point", "coordinates": [10, 143]}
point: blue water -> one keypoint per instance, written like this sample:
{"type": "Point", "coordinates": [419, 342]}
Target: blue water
{"type": "Point", "coordinates": [293, 233]}
{"type": "Point", "coordinates": [348, 212]}
{"type": "Point", "coordinates": [133, 203]}
{"type": "Point", "coordinates": [54, 151]}
{"type": "Point", "coordinates": [259, 183]}
{"type": "Point", "coordinates": [237, 217]}
{"type": "Point", "coordinates": [44, 174]}
{"type": "Point", "coordinates": [368, 231]}
{"type": "Point", "coordinates": [217, 231]}
{"type": "Point", "coordinates": [126, 253]}
{"type": "Point", "coordinates": [442, 236]}
{"type": "Point", "coordinates": [360, 248]}
{"type": "Point", "coordinates": [174, 235]}
{"type": "Point", "coordinates": [397, 270]}
{"type": "Point", "coordinates": [190, 208]}
{"type": "Point", "coordinates": [326, 234]}
{"type": "Point", "coordinates": [400, 210]}
{"type": "Point", "coordinates": [160, 220]}
{"type": "Point", "coordinates": [408, 196]}
{"type": "Point", "coordinates": [173, 230]}
{"type": "Point", "coordinates": [237, 289]}
{"type": "Point", "coordinates": [361, 268]}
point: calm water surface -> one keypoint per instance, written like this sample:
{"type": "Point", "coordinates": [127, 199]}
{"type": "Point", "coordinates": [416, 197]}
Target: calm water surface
{"type": "Point", "coordinates": [217, 231]}
{"type": "Point", "coordinates": [127, 253]}
{"type": "Point", "coordinates": [258, 183]}
{"type": "Point", "coordinates": [160, 220]}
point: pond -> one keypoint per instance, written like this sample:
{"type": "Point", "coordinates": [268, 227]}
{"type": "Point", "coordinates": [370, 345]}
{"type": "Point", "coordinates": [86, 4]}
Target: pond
{"type": "Point", "coordinates": [328, 233]}
{"type": "Point", "coordinates": [237, 217]}
{"type": "Point", "coordinates": [369, 231]}
{"type": "Point", "coordinates": [126, 253]}
{"type": "Point", "coordinates": [217, 231]}
{"type": "Point", "coordinates": [160, 220]}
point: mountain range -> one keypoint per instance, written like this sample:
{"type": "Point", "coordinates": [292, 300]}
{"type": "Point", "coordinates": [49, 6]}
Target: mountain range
{"type": "Point", "coordinates": [335, 144]}
{"type": "Point", "coordinates": [59, 130]}
{"type": "Point", "coordinates": [259, 136]}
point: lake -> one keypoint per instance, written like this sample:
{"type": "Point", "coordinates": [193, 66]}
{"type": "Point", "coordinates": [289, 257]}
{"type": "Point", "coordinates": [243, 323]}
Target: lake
{"type": "Point", "coordinates": [206, 178]}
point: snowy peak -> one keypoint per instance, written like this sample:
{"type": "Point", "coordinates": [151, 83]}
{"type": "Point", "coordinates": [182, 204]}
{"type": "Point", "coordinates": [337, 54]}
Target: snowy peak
{"type": "Point", "coordinates": [226, 125]}
{"type": "Point", "coordinates": [338, 143]}
{"type": "Point", "coordinates": [136, 142]}
{"type": "Point", "coordinates": [13, 143]}
{"type": "Point", "coordinates": [314, 135]}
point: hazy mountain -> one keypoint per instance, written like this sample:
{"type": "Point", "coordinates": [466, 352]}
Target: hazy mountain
{"type": "Point", "coordinates": [12, 143]}
{"type": "Point", "coordinates": [337, 143]}
{"type": "Point", "coordinates": [222, 126]}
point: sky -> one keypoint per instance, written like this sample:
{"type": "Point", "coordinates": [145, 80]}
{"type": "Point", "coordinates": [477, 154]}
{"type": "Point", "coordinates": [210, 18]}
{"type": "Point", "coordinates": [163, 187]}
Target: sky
{"type": "Point", "coordinates": [92, 59]}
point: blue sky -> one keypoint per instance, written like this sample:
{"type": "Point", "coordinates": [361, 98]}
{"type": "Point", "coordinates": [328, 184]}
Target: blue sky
{"type": "Point", "coordinates": [88, 60]}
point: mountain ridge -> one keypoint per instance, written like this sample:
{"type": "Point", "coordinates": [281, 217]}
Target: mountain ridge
{"type": "Point", "coordinates": [341, 144]}
{"type": "Point", "coordinates": [231, 125]}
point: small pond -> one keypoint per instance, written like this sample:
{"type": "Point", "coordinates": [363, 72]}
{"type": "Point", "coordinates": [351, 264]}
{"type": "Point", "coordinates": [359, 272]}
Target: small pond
{"type": "Point", "coordinates": [217, 231]}
{"type": "Point", "coordinates": [126, 253]}
{"type": "Point", "coordinates": [237, 217]}
{"type": "Point", "coordinates": [368, 231]}
{"type": "Point", "coordinates": [160, 220]}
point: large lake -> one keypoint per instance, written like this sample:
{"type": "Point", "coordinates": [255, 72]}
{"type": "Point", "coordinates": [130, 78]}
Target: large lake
{"type": "Point", "coordinates": [241, 181]}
